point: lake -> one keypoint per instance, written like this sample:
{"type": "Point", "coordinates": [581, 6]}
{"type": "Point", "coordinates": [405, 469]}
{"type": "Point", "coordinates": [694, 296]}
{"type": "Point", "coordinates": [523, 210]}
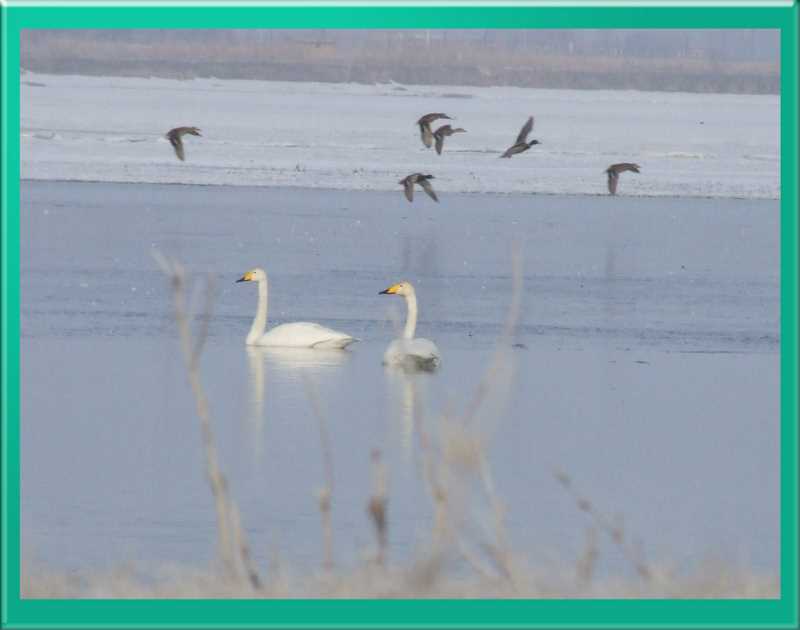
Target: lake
{"type": "Point", "coordinates": [645, 365]}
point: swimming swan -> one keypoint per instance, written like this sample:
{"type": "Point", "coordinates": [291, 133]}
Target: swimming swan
{"type": "Point", "coordinates": [295, 335]}
{"type": "Point", "coordinates": [417, 352]}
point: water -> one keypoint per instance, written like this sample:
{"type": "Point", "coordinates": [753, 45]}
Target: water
{"type": "Point", "coordinates": [646, 367]}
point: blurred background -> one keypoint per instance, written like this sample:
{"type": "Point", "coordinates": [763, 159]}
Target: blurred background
{"type": "Point", "coordinates": [697, 60]}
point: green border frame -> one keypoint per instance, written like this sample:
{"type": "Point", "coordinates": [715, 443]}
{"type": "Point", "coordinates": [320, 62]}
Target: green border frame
{"type": "Point", "coordinates": [18, 613]}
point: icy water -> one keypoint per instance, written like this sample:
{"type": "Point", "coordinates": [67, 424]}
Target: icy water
{"type": "Point", "coordinates": [646, 366]}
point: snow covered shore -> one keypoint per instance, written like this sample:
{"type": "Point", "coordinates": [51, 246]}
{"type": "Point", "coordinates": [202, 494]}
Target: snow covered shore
{"type": "Point", "coordinates": [363, 137]}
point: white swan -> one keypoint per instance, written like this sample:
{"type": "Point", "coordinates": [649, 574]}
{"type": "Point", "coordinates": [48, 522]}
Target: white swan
{"type": "Point", "coordinates": [408, 350]}
{"type": "Point", "coordinates": [296, 335]}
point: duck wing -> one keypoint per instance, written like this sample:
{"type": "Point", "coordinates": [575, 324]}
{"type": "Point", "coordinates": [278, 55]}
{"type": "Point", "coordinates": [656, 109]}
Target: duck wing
{"type": "Point", "coordinates": [439, 142]}
{"type": "Point", "coordinates": [621, 167]}
{"type": "Point", "coordinates": [522, 138]}
{"type": "Point", "coordinates": [426, 134]}
{"type": "Point", "coordinates": [426, 186]}
{"type": "Point", "coordinates": [408, 187]}
{"type": "Point", "coordinates": [429, 118]}
{"type": "Point", "coordinates": [177, 144]}
{"type": "Point", "coordinates": [613, 178]}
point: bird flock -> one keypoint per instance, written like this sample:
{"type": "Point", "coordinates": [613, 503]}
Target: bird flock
{"type": "Point", "coordinates": [407, 350]}
{"type": "Point", "coordinates": [435, 138]}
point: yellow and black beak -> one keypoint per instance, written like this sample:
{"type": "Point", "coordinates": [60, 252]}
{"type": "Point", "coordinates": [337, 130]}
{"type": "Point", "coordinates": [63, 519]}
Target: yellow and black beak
{"type": "Point", "coordinates": [391, 290]}
{"type": "Point", "coordinates": [246, 277]}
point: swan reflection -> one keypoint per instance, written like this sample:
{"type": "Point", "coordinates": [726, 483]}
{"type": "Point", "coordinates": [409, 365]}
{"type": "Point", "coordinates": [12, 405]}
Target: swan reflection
{"type": "Point", "coordinates": [312, 359]}
{"type": "Point", "coordinates": [407, 387]}
{"type": "Point", "coordinates": [255, 416]}
{"type": "Point", "coordinates": [288, 364]}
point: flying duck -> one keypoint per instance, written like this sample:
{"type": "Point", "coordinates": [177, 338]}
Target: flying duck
{"type": "Point", "coordinates": [422, 180]}
{"type": "Point", "coordinates": [425, 127]}
{"type": "Point", "coordinates": [442, 132]}
{"type": "Point", "coordinates": [174, 136]}
{"type": "Point", "coordinates": [613, 172]}
{"type": "Point", "coordinates": [522, 143]}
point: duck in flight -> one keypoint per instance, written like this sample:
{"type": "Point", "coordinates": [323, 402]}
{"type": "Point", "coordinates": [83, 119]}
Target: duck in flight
{"type": "Point", "coordinates": [522, 143]}
{"type": "Point", "coordinates": [613, 172]}
{"type": "Point", "coordinates": [175, 138]}
{"type": "Point", "coordinates": [418, 178]}
{"type": "Point", "coordinates": [425, 127]}
{"type": "Point", "coordinates": [442, 132]}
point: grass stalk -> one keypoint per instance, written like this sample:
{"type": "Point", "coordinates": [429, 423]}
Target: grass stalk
{"type": "Point", "coordinates": [631, 550]}
{"type": "Point", "coordinates": [324, 494]}
{"type": "Point", "coordinates": [234, 550]}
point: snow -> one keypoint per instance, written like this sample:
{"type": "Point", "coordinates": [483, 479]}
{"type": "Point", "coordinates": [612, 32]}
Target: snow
{"type": "Point", "coordinates": [364, 137]}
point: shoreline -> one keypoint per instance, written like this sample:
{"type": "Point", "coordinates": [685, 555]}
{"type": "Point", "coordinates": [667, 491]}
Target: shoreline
{"type": "Point", "coordinates": [489, 193]}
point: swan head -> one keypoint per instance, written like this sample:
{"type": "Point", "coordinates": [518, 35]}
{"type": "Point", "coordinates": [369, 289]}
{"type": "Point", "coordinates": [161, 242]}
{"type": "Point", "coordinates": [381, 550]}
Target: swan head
{"type": "Point", "coordinates": [401, 288]}
{"type": "Point", "coordinates": [254, 275]}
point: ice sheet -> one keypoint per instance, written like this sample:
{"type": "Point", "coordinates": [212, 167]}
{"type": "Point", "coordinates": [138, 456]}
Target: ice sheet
{"type": "Point", "coordinates": [364, 137]}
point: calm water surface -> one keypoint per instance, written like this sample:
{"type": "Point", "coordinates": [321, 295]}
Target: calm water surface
{"type": "Point", "coordinates": [646, 366]}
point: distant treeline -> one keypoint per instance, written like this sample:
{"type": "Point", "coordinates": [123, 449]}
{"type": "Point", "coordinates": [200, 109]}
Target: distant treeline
{"type": "Point", "coordinates": [744, 61]}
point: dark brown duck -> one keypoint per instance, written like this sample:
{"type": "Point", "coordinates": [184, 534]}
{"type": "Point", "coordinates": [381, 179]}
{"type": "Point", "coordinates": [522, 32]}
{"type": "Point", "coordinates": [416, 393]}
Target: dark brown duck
{"type": "Point", "coordinates": [175, 138]}
{"type": "Point", "coordinates": [443, 132]}
{"type": "Point", "coordinates": [613, 172]}
{"type": "Point", "coordinates": [418, 178]}
{"type": "Point", "coordinates": [425, 127]}
{"type": "Point", "coordinates": [522, 143]}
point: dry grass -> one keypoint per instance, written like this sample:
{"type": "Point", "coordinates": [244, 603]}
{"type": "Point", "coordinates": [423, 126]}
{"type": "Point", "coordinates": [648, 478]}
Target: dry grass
{"type": "Point", "coordinates": [468, 526]}
{"type": "Point", "coordinates": [234, 551]}
{"type": "Point", "coordinates": [422, 580]}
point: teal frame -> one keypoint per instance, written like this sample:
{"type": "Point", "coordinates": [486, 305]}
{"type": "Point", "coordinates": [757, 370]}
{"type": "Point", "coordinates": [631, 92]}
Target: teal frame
{"type": "Point", "coordinates": [27, 613]}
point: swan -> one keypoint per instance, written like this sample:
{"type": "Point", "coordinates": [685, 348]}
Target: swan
{"type": "Point", "coordinates": [408, 350]}
{"type": "Point", "coordinates": [295, 335]}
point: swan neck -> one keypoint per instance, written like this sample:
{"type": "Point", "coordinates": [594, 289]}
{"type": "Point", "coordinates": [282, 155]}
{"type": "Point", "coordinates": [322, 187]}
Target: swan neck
{"type": "Point", "coordinates": [260, 321]}
{"type": "Point", "coordinates": [411, 318]}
